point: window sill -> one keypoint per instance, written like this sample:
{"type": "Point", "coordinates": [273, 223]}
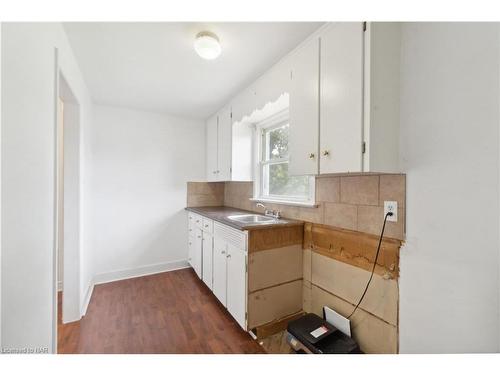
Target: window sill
{"type": "Point", "coordinates": [284, 202]}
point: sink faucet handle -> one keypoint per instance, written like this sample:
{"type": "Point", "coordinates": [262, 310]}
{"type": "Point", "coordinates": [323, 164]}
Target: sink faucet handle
{"type": "Point", "coordinates": [260, 205]}
{"type": "Point", "coordinates": [277, 214]}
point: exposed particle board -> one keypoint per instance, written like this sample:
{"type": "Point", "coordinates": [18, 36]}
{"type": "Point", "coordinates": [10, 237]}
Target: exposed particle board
{"type": "Point", "coordinates": [354, 248]}
{"type": "Point", "coordinates": [275, 237]}
{"type": "Point", "coordinates": [348, 282]}
{"type": "Point", "coordinates": [372, 334]}
{"type": "Point", "coordinates": [306, 296]}
{"type": "Point", "coordinates": [275, 266]}
{"type": "Point", "coordinates": [276, 326]}
{"type": "Point", "coordinates": [274, 303]}
{"type": "Point", "coordinates": [306, 264]}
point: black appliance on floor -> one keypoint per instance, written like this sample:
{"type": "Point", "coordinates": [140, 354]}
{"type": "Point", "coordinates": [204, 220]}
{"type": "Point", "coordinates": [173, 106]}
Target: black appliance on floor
{"type": "Point", "coordinates": [312, 334]}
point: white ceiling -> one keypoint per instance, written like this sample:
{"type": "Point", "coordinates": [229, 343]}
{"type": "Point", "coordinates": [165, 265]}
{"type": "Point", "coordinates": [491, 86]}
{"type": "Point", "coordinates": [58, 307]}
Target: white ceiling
{"type": "Point", "coordinates": [153, 66]}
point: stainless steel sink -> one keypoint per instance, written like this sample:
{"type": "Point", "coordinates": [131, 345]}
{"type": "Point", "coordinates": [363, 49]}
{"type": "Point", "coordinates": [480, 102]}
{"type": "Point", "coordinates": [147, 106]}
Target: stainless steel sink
{"type": "Point", "coordinates": [255, 219]}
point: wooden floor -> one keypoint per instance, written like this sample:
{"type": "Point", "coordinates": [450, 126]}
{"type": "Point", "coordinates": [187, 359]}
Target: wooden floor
{"type": "Point", "coordinates": [171, 312]}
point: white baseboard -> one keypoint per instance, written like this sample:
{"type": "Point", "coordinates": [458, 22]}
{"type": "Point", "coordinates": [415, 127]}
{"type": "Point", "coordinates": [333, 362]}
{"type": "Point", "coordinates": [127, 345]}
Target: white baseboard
{"type": "Point", "coordinates": [129, 274]}
{"type": "Point", "coordinates": [86, 301]}
{"type": "Point", "coordinates": [139, 271]}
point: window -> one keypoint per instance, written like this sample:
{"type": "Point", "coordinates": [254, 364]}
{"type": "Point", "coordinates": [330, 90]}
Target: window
{"type": "Point", "coordinates": [274, 182]}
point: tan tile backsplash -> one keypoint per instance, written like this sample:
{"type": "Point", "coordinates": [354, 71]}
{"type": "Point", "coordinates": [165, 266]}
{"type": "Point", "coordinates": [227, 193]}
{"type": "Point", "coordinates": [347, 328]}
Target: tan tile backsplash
{"type": "Point", "coordinates": [349, 202]}
{"type": "Point", "coordinates": [328, 189]}
{"type": "Point", "coordinates": [341, 215]}
{"type": "Point", "coordinates": [360, 190]}
{"type": "Point", "coordinates": [201, 194]}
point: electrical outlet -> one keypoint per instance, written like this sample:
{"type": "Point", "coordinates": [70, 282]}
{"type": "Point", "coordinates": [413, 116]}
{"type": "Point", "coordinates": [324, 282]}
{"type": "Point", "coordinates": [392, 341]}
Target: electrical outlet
{"type": "Point", "coordinates": [391, 206]}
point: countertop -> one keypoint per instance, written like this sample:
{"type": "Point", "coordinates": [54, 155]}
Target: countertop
{"type": "Point", "coordinates": [221, 213]}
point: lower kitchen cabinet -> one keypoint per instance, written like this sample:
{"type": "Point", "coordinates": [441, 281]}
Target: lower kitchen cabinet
{"type": "Point", "coordinates": [196, 253]}
{"type": "Point", "coordinates": [236, 293]}
{"type": "Point", "coordinates": [218, 255]}
{"type": "Point", "coordinates": [230, 272]}
{"type": "Point", "coordinates": [219, 270]}
{"type": "Point", "coordinates": [255, 274]}
{"type": "Point", "coordinates": [207, 259]}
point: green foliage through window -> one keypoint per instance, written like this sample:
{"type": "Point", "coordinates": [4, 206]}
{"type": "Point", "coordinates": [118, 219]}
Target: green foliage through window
{"type": "Point", "coordinates": [275, 179]}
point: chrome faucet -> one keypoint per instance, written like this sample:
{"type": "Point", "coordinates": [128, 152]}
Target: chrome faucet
{"type": "Point", "coordinates": [276, 214]}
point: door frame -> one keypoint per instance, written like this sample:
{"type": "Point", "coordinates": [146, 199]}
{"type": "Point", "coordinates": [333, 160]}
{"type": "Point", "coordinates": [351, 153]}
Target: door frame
{"type": "Point", "coordinates": [71, 120]}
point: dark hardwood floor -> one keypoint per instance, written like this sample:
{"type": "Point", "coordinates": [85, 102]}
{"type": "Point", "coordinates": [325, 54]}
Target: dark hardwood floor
{"type": "Point", "coordinates": [171, 312]}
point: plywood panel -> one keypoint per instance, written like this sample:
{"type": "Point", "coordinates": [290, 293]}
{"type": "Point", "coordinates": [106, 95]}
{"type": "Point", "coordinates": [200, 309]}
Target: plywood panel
{"type": "Point", "coordinates": [307, 265]}
{"type": "Point", "coordinates": [371, 333]}
{"type": "Point", "coordinates": [274, 303]}
{"type": "Point", "coordinates": [348, 282]}
{"type": "Point", "coordinates": [276, 237]}
{"type": "Point", "coordinates": [272, 267]}
{"type": "Point", "coordinates": [306, 296]}
{"type": "Point", "coordinates": [355, 248]}
{"type": "Point", "coordinates": [276, 326]}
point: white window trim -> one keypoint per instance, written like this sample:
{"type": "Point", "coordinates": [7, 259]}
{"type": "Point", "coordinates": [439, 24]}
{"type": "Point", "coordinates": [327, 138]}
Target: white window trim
{"type": "Point", "coordinates": [276, 121]}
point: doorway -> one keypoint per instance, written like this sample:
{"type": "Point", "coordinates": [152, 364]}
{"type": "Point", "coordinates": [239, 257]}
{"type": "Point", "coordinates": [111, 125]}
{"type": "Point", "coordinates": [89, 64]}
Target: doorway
{"type": "Point", "coordinates": [67, 270]}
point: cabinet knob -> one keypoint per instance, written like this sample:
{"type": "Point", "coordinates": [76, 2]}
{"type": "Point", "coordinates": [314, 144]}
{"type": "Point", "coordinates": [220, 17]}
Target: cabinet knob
{"type": "Point", "coordinates": [218, 171]}
{"type": "Point", "coordinates": [222, 252]}
{"type": "Point", "coordinates": [214, 172]}
{"type": "Point", "coordinates": [206, 225]}
{"type": "Point", "coordinates": [228, 256]}
{"type": "Point", "coordinates": [311, 155]}
{"type": "Point", "coordinates": [190, 243]}
{"type": "Point", "coordinates": [326, 153]}
{"type": "Point", "coordinates": [199, 236]}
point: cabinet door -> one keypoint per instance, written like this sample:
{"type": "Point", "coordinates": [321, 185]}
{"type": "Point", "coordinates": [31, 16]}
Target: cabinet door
{"type": "Point", "coordinates": [304, 110]}
{"type": "Point", "coordinates": [207, 259]}
{"type": "Point", "coordinates": [211, 148]}
{"type": "Point", "coordinates": [219, 269]}
{"type": "Point", "coordinates": [224, 141]}
{"type": "Point", "coordinates": [237, 284]}
{"type": "Point", "coordinates": [197, 253]}
{"type": "Point", "coordinates": [341, 120]}
{"type": "Point", "coordinates": [191, 251]}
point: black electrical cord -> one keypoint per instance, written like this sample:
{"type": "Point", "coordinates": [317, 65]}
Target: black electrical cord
{"type": "Point", "coordinates": [374, 264]}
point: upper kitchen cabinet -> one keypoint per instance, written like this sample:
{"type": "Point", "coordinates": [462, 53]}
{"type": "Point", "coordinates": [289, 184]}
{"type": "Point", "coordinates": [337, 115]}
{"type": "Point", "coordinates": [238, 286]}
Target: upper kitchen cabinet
{"type": "Point", "coordinates": [304, 109]}
{"type": "Point", "coordinates": [381, 93]}
{"type": "Point", "coordinates": [344, 100]}
{"type": "Point", "coordinates": [341, 98]}
{"type": "Point", "coordinates": [211, 148]}
{"type": "Point", "coordinates": [218, 147]}
{"type": "Point", "coordinates": [224, 142]}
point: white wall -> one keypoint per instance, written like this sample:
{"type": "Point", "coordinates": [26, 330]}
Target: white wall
{"type": "Point", "coordinates": [28, 177]}
{"type": "Point", "coordinates": [449, 287]}
{"type": "Point", "coordinates": [140, 164]}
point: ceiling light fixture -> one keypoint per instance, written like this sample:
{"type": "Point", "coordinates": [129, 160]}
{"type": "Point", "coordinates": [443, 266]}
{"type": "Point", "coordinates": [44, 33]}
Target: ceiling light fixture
{"type": "Point", "coordinates": [206, 44]}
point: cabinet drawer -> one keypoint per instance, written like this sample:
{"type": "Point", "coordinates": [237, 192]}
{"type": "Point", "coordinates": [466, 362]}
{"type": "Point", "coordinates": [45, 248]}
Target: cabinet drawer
{"type": "Point", "coordinates": [198, 221]}
{"type": "Point", "coordinates": [191, 229]}
{"type": "Point", "coordinates": [232, 236]}
{"type": "Point", "coordinates": [208, 225]}
{"type": "Point", "coordinates": [191, 225]}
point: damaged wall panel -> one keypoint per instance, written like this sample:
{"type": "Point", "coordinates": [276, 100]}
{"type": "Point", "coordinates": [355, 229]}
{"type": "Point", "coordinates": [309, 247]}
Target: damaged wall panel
{"type": "Point", "coordinates": [275, 266]}
{"type": "Point", "coordinates": [273, 303]}
{"type": "Point", "coordinates": [354, 248]}
{"type": "Point", "coordinates": [348, 283]}
{"type": "Point", "coordinates": [336, 266]}
{"type": "Point", "coordinates": [372, 334]}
